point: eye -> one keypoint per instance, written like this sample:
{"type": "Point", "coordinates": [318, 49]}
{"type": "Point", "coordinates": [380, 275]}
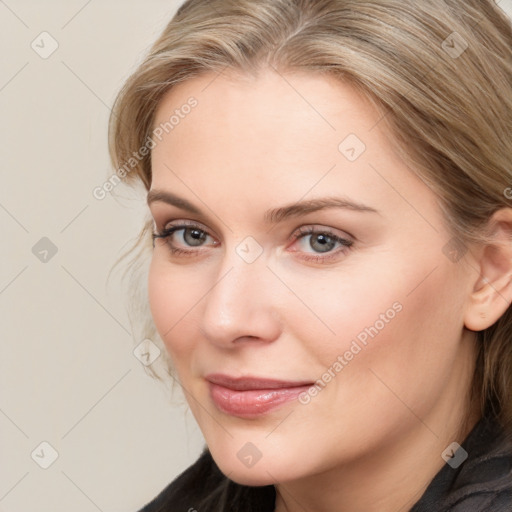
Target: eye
{"type": "Point", "coordinates": [192, 236]}
{"type": "Point", "coordinates": [314, 243]}
{"type": "Point", "coordinates": [181, 237]}
{"type": "Point", "coordinates": [320, 243]}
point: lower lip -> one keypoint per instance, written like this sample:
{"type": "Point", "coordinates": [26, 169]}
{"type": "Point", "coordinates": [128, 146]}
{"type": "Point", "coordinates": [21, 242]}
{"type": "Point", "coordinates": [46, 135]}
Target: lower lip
{"type": "Point", "coordinates": [254, 402]}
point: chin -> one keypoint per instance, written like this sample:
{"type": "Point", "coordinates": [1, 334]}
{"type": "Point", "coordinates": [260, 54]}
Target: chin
{"type": "Point", "coordinates": [252, 479]}
{"type": "Point", "coordinates": [263, 472]}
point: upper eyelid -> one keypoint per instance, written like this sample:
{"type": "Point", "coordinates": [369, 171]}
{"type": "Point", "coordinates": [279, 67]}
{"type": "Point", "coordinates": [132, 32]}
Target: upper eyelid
{"type": "Point", "coordinates": [301, 231]}
{"type": "Point", "coordinates": [195, 223]}
{"type": "Point", "coordinates": [162, 217]}
{"type": "Point", "coordinates": [186, 224]}
{"type": "Point", "coordinates": [315, 228]}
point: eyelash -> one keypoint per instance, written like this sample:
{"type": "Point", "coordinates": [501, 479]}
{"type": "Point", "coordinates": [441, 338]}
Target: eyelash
{"type": "Point", "coordinates": [302, 232]}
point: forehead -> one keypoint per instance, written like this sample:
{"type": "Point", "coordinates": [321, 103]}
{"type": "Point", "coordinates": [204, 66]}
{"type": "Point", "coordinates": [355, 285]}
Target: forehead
{"type": "Point", "coordinates": [271, 97]}
{"type": "Point", "coordinates": [272, 121]}
{"type": "Point", "coordinates": [282, 137]}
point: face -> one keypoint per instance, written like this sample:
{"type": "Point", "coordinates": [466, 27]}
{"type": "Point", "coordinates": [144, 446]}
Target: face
{"type": "Point", "coordinates": [303, 291]}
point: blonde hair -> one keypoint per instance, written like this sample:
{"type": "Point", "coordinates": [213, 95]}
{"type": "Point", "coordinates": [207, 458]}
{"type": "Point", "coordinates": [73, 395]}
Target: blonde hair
{"type": "Point", "coordinates": [439, 71]}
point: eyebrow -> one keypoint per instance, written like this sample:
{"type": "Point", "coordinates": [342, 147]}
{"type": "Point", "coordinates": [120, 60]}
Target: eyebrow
{"type": "Point", "coordinates": [271, 216]}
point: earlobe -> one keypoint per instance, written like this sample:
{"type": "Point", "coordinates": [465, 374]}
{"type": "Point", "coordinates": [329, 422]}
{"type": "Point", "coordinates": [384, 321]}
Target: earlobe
{"type": "Point", "coordinates": [492, 291]}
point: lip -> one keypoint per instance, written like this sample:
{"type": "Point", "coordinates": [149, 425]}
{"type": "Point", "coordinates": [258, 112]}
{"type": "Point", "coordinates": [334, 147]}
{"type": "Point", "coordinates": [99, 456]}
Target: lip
{"type": "Point", "coordinates": [250, 397]}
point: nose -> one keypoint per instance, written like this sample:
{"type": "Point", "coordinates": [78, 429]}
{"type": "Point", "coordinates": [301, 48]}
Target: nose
{"type": "Point", "coordinates": [242, 303]}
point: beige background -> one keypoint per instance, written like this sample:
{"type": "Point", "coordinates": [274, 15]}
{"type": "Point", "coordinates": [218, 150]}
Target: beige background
{"type": "Point", "coordinates": [68, 373]}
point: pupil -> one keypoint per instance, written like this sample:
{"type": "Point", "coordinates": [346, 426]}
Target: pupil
{"type": "Point", "coordinates": [194, 236]}
{"type": "Point", "coordinates": [325, 243]}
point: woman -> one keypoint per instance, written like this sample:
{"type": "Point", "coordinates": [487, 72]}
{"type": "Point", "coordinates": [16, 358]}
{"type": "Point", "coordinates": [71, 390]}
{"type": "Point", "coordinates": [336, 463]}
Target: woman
{"type": "Point", "coordinates": [331, 268]}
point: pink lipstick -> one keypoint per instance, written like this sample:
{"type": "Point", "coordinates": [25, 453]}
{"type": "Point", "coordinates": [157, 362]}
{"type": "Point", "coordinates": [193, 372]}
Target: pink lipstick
{"type": "Point", "coordinates": [249, 397]}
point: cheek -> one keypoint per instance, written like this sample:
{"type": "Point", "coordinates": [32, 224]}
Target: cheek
{"type": "Point", "coordinates": [391, 359]}
{"type": "Point", "coordinates": [160, 298]}
{"type": "Point", "coordinates": [170, 301]}
{"type": "Point", "coordinates": [339, 310]}
{"type": "Point", "coordinates": [399, 316]}
{"type": "Point", "coordinates": [412, 356]}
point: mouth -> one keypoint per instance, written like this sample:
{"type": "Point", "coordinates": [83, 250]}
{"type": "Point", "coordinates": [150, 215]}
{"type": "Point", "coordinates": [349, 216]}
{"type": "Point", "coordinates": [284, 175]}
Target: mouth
{"type": "Point", "coordinates": [250, 397]}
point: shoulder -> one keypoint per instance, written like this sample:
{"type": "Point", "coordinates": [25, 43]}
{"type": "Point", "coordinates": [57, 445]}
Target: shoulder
{"type": "Point", "coordinates": [485, 501]}
{"type": "Point", "coordinates": [482, 483]}
{"type": "Point", "coordinates": [485, 480]}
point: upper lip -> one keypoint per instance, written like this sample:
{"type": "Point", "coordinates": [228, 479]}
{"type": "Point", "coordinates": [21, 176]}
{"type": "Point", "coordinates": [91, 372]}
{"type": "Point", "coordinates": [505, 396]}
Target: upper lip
{"type": "Point", "coordinates": [246, 383]}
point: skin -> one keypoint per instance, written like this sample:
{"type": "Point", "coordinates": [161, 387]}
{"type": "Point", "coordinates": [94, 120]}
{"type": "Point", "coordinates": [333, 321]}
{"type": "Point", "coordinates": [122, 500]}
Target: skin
{"type": "Point", "coordinates": [372, 438]}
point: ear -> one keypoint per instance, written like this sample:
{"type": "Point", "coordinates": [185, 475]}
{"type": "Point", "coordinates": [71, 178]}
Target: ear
{"type": "Point", "coordinates": [492, 292]}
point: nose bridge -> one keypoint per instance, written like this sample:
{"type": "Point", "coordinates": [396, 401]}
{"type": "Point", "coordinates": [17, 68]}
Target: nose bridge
{"type": "Point", "coordinates": [238, 304]}
{"type": "Point", "coordinates": [242, 268]}
{"type": "Point", "coordinates": [237, 284]}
